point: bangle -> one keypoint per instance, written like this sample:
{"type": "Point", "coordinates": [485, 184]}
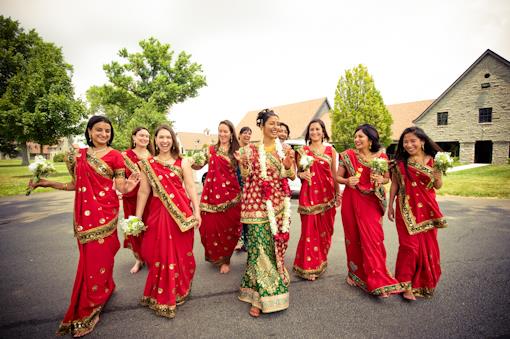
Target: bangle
{"type": "Point", "coordinates": [65, 187]}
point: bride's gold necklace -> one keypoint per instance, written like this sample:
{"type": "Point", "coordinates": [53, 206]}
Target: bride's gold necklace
{"type": "Point", "coordinates": [94, 151]}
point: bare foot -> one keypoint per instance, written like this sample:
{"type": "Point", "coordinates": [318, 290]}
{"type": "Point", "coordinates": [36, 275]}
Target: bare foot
{"type": "Point", "coordinates": [239, 245]}
{"type": "Point", "coordinates": [312, 278]}
{"type": "Point", "coordinates": [84, 332]}
{"type": "Point", "coordinates": [254, 312]}
{"type": "Point", "coordinates": [408, 295]}
{"type": "Point", "coordinates": [384, 295]}
{"type": "Point", "coordinates": [136, 267]}
{"type": "Point", "coordinates": [225, 268]}
{"type": "Point", "coordinates": [349, 281]}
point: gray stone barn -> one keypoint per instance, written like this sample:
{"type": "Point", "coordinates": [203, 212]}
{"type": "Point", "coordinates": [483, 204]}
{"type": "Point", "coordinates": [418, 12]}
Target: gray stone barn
{"type": "Point", "coordinates": [471, 118]}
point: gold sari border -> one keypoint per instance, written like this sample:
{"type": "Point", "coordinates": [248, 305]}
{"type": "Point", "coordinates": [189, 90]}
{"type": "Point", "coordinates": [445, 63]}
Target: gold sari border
{"type": "Point", "coordinates": [70, 160]}
{"type": "Point", "coordinates": [268, 304]}
{"type": "Point", "coordinates": [211, 208]}
{"type": "Point", "coordinates": [316, 209]}
{"type": "Point", "coordinates": [79, 325]}
{"type": "Point", "coordinates": [389, 289]}
{"type": "Point", "coordinates": [130, 164]}
{"type": "Point", "coordinates": [164, 310]}
{"type": "Point", "coordinates": [184, 223]}
{"type": "Point", "coordinates": [97, 232]}
{"type": "Point", "coordinates": [100, 166]}
{"type": "Point", "coordinates": [311, 274]}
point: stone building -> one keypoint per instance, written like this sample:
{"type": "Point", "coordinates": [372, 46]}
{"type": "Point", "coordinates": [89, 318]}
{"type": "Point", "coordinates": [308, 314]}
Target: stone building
{"type": "Point", "coordinates": [472, 117]}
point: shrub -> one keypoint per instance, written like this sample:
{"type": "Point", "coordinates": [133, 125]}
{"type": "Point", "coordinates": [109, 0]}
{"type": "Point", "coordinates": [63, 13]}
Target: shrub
{"type": "Point", "coordinates": [59, 157]}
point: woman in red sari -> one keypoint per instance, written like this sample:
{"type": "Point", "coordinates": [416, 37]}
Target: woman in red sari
{"type": "Point", "coordinates": [363, 207]}
{"type": "Point", "coordinates": [95, 171]}
{"type": "Point", "coordinates": [141, 148]}
{"type": "Point", "coordinates": [167, 244]}
{"type": "Point", "coordinates": [318, 198]}
{"type": "Point", "coordinates": [418, 215]}
{"type": "Point", "coordinates": [220, 204]}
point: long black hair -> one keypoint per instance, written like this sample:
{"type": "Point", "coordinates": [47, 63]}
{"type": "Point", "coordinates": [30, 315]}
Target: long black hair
{"type": "Point", "coordinates": [234, 143]}
{"type": "Point", "coordinates": [323, 126]}
{"type": "Point", "coordinates": [94, 120]}
{"type": "Point", "coordinates": [372, 134]}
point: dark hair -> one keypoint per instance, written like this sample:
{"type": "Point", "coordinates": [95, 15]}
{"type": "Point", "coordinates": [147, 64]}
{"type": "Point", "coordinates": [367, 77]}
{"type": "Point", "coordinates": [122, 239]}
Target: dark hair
{"type": "Point", "coordinates": [372, 135]}
{"type": "Point", "coordinates": [150, 148]}
{"type": "Point", "coordinates": [234, 143]}
{"type": "Point", "coordinates": [429, 147]}
{"type": "Point", "coordinates": [245, 129]}
{"type": "Point", "coordinates": [264, 115]}
{"type": "Point", "coordinates": [324, 132]}
{"type": "Point", "coordinates": [286, 127]}
{"type": "Point", "coordinates": [94, 120]}
{"type": "Point", "coordinates": [174, 150]}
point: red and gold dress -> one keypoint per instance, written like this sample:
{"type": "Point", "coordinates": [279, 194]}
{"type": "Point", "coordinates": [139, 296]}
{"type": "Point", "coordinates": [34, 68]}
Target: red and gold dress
{"type": "Point", "coordinates": [417, 217]}
{"type": "Point", "coordinates": [167, 245]}
{"type": "Point", "coordinates": [129, 203]}
{"type": "Point", "coordinates": [96, 209]}
{"type": "Point", "coordinates": [362, 212]}
{"type": "Point", "coordinates": [317, 211]}
{"type": "Point", "coordinates": [220, 207]}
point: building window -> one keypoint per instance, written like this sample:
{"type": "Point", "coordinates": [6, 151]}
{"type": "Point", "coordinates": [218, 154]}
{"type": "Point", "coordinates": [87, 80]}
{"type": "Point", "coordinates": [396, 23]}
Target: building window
{"type": "Point", "coordinates": [485, 115]}
{"type": "Point", "coordinates": [486, 85]}
{"type": "Point", "coordinates": [442, 118]}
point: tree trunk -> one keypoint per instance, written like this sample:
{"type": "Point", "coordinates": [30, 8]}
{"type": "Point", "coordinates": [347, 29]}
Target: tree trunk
{"type": "Point", "coordinates": [24, 155]}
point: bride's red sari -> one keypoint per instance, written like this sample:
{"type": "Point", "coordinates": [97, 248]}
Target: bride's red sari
{"type": "Point", "coordinates": [362, 212]}
{"type": "Point", "coordinates": [417, 217]}
{"type": "Point", "coordinates": [96, 209]}
{"type": "Point", "coordinates": [129, 203]}
{"type": "Point", "coordinates": [317, 211]}
{"type": "Point", "coordinates": [220, 209]}
{"type": "Point", "coordinates": [167, 245]}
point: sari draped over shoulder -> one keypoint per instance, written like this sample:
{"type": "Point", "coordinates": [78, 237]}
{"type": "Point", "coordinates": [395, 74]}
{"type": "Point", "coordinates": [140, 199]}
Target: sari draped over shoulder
{"type": "Point", "coordinates": [362, 212]}
{"type": "Point", "coordinates": [265, 281]}
{"type": "Point", "coordinates": [220, 208]}
{"type": "Point", "coordinates": [96, 209]}
{"type": "Point", "coordinates": [417, 218]}
{"type": "Point", "coordinates": [317, 211]}
{"type": "Point", "coordinates": [167, 244]}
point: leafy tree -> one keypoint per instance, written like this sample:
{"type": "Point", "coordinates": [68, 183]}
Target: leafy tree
{"type": "Point", "coordinates": [143, 88]}
{"type": "Point", "coordinates": [357, 101]}
{"type": "Point", "coordinates": [37, 102]}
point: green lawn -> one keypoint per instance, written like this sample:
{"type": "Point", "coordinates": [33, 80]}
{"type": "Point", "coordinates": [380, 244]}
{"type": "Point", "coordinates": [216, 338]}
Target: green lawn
{"type": "Point", "coordinates": [14, 177]}
{"type": "Point", "coordinates": [487, 181]}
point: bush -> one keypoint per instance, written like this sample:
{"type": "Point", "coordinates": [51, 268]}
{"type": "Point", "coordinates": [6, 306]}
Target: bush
{"type": "Point", "coordinates": [59, 157]}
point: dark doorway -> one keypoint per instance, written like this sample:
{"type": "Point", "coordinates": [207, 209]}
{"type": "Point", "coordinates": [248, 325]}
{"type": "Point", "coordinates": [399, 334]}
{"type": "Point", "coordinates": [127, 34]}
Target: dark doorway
{"type": "Point", "coordinates": [450, 146]}
{"type": "Point", "coordinates": [483, 152]}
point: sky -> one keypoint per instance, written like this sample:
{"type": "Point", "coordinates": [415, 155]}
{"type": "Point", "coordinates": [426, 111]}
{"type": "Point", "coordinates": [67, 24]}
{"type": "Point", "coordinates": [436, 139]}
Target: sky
{"type": "Point", "coordinates": [264, 53]}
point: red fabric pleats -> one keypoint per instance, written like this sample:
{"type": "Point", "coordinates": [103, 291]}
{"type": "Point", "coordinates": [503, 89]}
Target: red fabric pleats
{"type": "Point", "coordinates": [168, 253]}
{"type": "Point", "coordinates": [313, 247]}
{"type": "Point", "coordinates": [364, 243]}
{"type": "Point", "coordinates": [418, 261]}
{"type": "Point", "coordinates": [219, 233]}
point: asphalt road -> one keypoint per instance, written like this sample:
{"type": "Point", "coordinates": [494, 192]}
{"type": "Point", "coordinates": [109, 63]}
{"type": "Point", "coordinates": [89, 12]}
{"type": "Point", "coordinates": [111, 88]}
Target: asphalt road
{"type": "Point", "coordinates": [38, 258]}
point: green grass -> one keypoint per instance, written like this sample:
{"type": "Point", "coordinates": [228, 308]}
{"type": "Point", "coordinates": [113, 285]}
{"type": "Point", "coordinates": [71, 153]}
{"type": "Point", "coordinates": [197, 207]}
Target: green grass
{"type": "Point", "coordinates": [14, 177]}
{"type": "Point", "coordinates": [488, 181]}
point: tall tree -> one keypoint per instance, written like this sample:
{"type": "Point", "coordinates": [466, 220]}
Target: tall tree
{"type": "Point", "coordinates": [357, 101]}
{"type": "Point", "coordinates": [144, 87]}
{"type": "Point", "coordinates": [37, 102]}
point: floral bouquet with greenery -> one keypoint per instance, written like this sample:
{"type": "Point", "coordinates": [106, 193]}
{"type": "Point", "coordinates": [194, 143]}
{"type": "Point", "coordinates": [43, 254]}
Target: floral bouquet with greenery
{"type": "Point", "coordinates": [198, 158]}
{"type": "Point", "coordinates": [132, 226]}
{"type": "Point", "coordinates": [379, 166]}
{"type": "Point", "coordinates": [40, 168]}
{"type": "Point", "coordinates": [443, 161]}
{"type": "Point", "coordinates": [305, 163]}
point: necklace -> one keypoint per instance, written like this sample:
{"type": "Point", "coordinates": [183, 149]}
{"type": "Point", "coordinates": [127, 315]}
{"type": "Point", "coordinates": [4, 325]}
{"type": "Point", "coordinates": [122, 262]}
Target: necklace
{"type": "Point", "coordinates": [95, 151]}
{"type": "Point", "coordinates": [165, 162]}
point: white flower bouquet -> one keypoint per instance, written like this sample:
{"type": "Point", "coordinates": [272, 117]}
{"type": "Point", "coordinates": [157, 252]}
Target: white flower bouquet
{"type": "Point", "coordinates": [443, 161]}
{"type": "Point", "coordinates": [379, 166]}
{"type": "Point", "coordinates": [198, 158]}
{"type": "Point", "coordinates": [40, 168]}
{"type": "Point", "coordinates": [305, 163]}
{"type": "Point", "coordinates": [132, 226]}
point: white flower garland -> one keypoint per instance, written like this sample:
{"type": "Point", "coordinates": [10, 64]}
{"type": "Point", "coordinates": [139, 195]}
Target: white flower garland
{"type": "Point", "coordinates": [269, 204]}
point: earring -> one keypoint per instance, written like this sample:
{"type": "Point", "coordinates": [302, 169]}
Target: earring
{"type": "Point", "coordinates": [134, 143]}
{"type": "Point", "coordinates": [423, 147]}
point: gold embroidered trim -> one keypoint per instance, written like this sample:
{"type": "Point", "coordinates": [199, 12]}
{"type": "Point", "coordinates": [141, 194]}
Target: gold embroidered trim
{"type": "Point", "coordinates": [167, 311]}
{"type": "Point", "coordinates": [407, 213]}
{"type": "Point", "coordinates": [79, 325]}
{"type": "Point", "coordinates": [184, 223]}
{"type": "Point", "coordinates": [96, 233]}
{"type": "Point", "coordinates": [130, 164]}
{"type": "Point", "coordinates": [176, 170]}
{"type": "Point", "coordinates": [316, 209]}
{"type": "Point", "coordinates": [389, 289]}
{"type": "Point", "coordinates": [311, 274]}
{"type": "Point", "coordinates": [269, 304]}
{"type": "Point", "coordinates": [70, 160]}
{"type": "Point", "coordinates": [100, 166]}
{"type": "Point", "coordinates": [204, 207]}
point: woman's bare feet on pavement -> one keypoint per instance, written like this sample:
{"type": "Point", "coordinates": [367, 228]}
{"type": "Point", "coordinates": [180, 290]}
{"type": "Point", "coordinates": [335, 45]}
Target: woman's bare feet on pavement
{"type": "Point", "coordinates": [224, 268]}
{"type": "Point", "coordinates": [136, 267]}
{"type": "Point", "coordinates": [254, 312]}
{"type": "Point", "coordinates": [408, 295]}
{"type": "Point", "coordinates": [349, 281]}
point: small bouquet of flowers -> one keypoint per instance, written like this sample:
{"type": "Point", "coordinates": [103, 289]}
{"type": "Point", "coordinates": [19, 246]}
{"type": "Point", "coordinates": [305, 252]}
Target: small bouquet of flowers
{"type": "Point", "coordinates": [198, 158]}
{"type": "Point", "coordinates": [305, 163]}
{"type": "Point", "coordinates": [132, 226]}
{"type": "Point", "coordinates": [443, 161]}
{"type": "Point", "coordinates": [40, 168]}
{"type": "Point", "coordinates": [379, 166]}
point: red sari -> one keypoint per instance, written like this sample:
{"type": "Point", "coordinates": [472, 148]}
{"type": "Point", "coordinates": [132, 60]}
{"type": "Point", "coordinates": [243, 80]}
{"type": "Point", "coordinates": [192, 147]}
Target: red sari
{"type": "Point", "coordinates": [317, 211]}
{"type": "Point", "coordinates": [220, 209]}
{"type": "Point", "coordinates": [417, 217]}
{"type": "Point", "coordinates": [362, 212]}
{"type": "Point", "coordinates": [167, 245]}
{"type": "Point", "coordinates": [96, 209]}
